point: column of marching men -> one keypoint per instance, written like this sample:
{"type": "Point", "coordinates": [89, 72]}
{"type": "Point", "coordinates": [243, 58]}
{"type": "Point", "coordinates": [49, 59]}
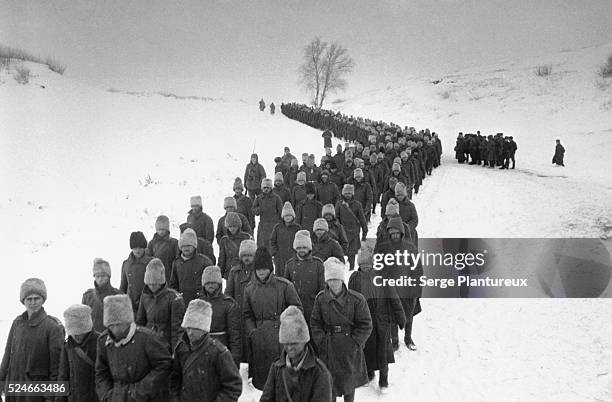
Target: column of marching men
{"type": "Point", "coordinates": [171, 332]}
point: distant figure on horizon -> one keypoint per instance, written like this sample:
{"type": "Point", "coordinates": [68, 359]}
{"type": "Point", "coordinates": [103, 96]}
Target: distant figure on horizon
{"type": "Point", "coordinates": [272, 108]}
{"type": "Point", "coordinates": [262, 105]}
{"type": "Point", "coordinates": [559, 154]}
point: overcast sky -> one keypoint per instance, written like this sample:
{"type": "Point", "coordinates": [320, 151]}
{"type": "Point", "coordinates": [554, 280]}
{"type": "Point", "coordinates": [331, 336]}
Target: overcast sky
{"type": "Point", "coordinates": [249, 49]}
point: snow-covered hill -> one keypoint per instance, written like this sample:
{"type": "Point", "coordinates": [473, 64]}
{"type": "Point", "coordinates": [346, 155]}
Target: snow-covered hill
{"type": "Point", "coordinates": [81, 168]}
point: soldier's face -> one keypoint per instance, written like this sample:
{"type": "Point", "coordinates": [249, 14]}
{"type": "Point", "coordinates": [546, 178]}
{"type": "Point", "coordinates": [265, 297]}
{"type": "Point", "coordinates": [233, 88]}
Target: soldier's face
{"type": "Point", "coordinates": [328, 217]}
{"type": "Point", "coordinates": [247, 259]}
{"type": "Point", "coordinates": [33, 303]}
{"type": "Point", "coordinates": [237, 192]}
{"type": "Point", "coordinates": [233, 229]}
{"type": "Point", "coordinates": [230, 208]}
{"type": "Point", "coordinates": [194, 334]}
{"type": "Point", "coordinates": [310, 196]}
{"type": "Point", "coordinates": [138, 252]}
{"type": "Point", "coordinates": [266, 190]}
{"type": "Point", "coordinates": [319, 233]}
{"type": "Point", "coordinates": [395, 234]}
{"type": "Point", "coordinates": [161, 232]}
{"type": "Point", "coordinates": [288, 218]}
{"type": "Point", "coordinates": [187, 250]}
{"type": "Point", "coordinates": [294, 350]}
{"type": "Point", "coordinates": [101, 279]}
{"type": "Point", "coordinates": [262, 274]}
{"type": "Point", "coordinates": [211, 287]}
{"type": "Point", "coordinates": [119, 330]}
{"type": "Point", "coordinates": [324, 178]}
{"type": "Point", "coordinates": [302, 251]}
{"type": "Point", "coordinates": [196, 208]}
{"type": "Point", "coordinates": [335, 285]}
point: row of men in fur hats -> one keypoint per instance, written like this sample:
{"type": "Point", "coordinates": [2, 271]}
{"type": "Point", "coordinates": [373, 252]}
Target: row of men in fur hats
{"type": "Point", "coordinates": [491, 151]}
{"type": "Point", "coordinates": [299, 346]}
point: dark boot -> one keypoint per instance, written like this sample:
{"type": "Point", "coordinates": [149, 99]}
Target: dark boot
{"type": "Point", "coordinates": [349, 397]}
{"type": "Point", "coordinates": [370, 375]}
{"type": "Point", "coordinates": [383, 380]}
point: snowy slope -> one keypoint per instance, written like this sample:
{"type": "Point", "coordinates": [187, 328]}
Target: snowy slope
{"type": "Point", "coordinates": [75, 160]}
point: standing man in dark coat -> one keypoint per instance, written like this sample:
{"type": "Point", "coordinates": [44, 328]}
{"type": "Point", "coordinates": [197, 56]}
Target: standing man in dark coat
{"type": "Point", "coordinates": [34, 342]}
{"type": "Point", "coordinates": [280, 189]}
{"type": "Point", "coordinates": [327, 136]}
{"type": "Point", "coordinates": [239, 277]}
{"type": "Point", "coordinates": [262, 105]}
{"type": "Point", "coordinates": [200, 222]}
{"type": "Point", "coordinates": [229, 245]}
{"type": "Point", "coordinates": [187, 269]}
{"type": "Point", "coordinates": [327, 191]}
{"type": "Point", "coordinates": [309, 209]}
{"type": "Point", "coordinates": [265, 298]}
{"type": "Point", "coordinates": [133, 269]}
{"type": "Point", "coordinates": [161, 309]}
{"type": "Point", "coordinates": [363, 193]}
{"type": "Point", "coordinates": [230, 205]}
{"type": "Point", "coordinates": [244, 205]}
{"type": "Point", "coordinates": [305, 271]}
{"type": "Point", "coordinates": [335, 228]}
{"type": "Point", "coordinates": [559, 154]}
{"type": "Point", "coordinates": [281, 241]}
{"type": "Point", "coordinates": [323, 244]}
{"type": "Point", "coordinates": [513, 149]}
{"type": "Point", "coordinates": [298, 375]}
{"type": "Point", "coordinates": [254, 173]}
{"type": "Point", "coordinates": [198, 353]}
{"type": "Point", "coordinates": [341, 325]}
{"type": "Point", "coordinates": [350, 214]}
{"type": "Point", "coordinates": [78, 356]}
{"type": "Point", "coordinates": [94, 297]}
{"type": "Point", "coordinates": [339, 157]}
{"type": "Point", "coordinates": [162, 245]}
{"type": "Point", "coordinates": [386, 310]}
{"type": "Point", "coordinates": [132, 363]}
{"type": "Point", "coordinates": [225, 326]}
{"type": "Point", "coordinates": [268, 207]}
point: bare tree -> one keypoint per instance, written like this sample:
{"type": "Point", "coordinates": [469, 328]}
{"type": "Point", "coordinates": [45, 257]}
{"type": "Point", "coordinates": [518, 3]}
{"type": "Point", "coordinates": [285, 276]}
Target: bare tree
{"type": "Point", "coordinates": [324, 69]}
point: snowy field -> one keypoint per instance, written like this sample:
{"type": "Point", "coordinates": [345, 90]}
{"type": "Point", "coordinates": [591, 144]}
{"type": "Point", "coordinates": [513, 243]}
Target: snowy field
{"type": "Point", "coordinates": [81, 168]}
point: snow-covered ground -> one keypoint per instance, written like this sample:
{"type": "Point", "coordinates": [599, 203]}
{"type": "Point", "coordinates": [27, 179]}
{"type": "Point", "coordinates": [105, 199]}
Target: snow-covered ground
{"type": "Point", "coordinates": [81, 168]}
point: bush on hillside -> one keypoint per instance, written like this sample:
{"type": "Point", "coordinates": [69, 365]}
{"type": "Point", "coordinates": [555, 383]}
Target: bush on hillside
{"type": "Point", "coordinates": [544, 70]}
{"type": "Point", "coordinates": [22, 74]}
{"type": "Point", "coordinates": [9, 53]}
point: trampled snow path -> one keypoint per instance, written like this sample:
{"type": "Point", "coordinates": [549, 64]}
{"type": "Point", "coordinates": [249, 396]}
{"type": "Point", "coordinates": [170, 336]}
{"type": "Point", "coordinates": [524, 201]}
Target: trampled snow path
{"type": "Point", "coordinates": [75, 159]}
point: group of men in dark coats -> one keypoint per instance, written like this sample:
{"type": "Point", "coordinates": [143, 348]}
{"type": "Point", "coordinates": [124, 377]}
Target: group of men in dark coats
{"type": "Point", "coordinates": [172, 332]}
{"type": "Point", "coordinates": [487, 151]}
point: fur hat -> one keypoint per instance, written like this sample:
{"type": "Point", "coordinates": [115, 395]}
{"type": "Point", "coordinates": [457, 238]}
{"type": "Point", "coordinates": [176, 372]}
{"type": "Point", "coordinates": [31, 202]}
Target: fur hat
{"type": "Point", "coordinates": [118, 310]}
{"type": "Point", "coordinates": [293, 328]}
{"type": "Point", "coordinates": [247, 246]}
{"type": "Point", "coordinates": [348, 189]}
{"type": "Point", "coordinates": [138, 239]}
{"type": "Point", "coordinates": [392, 208]}
{"type": "Point", "coordinates": [279, 177]}
{"type": "Point", "coordinates": [302, 239]}
{"type": "Point", "coordinates": [263, 259]}
{"type": "Point", "coordinates": [162, 222]}
{"type": "Point", "coordinates": [328, 209]}
{"type": "Point", "coordinates": [33, 286]}
{"type": "Point", "coordinates": [229, 202]}
{"type": "Point", "coordinates": [266, 183]}
{"type": "Point", "coordinates": [400, 189]}
{"type": "Point", "coordinates": [232, 219]}
{"type": "Point", "coordinates": [155, 273]}
{"type": "Point", "coordinates": [320, 223]}
{"type": "Point", "coordinates": [301, 176]}
{"type": "Point", "coordinates": [198, 315]}
{"type": "Point", "coordinates": [396, 167]}
{"type": "Point", "coordinates": [101, 266]}
{"type": "Point", "coordinates": [212, 274]}
{"type": "Point", "coordinates": [396, 223]}
{"type": "Point", "coordinates": [287, 210]}
{"type": "Point", "coordinates": [77, 320]}
{"type": "Point", "coordinates": [365, 258]}
{"type": "Point", "coordinates": [238, 184]}
{"type": "Point", "coordinates": [310, 188]}
{"type": "Point", "coordinates": [188, 238]}
{"type": "Point", "coordinates": [195, 200]}
{"type": "Point", "coordinates": [358, 173]}
{"type": "Point", "coordinates": [334, 269]}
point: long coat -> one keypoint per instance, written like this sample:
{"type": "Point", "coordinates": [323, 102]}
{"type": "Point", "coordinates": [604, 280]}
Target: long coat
{"type": "Point", "coordinates": [559, 154]}
{"type": "Point", "coordinates": [340, 328]}
{"type": "Point", "coordinates": [364, 194]}
{"type": "Point", "coordinates": [166, 249]}
{"type": "Point", "coordinates": [268, 207]}
{"type": "Point", "coordinates": [254, 173]}
{"type": "Point", "coordinates": [308, 277]}
{"type": "Point", "coordinates": [386, 310]}
{"type": "Point", "coordinates": [350, 215]}
{"type": "Point", "coordinates": [202, 224]}
{"type": "Point", "coordinates": [328, 193]}
{"type": "Point", "coordinates": [337, 232]}
{"type": "Point", "coordinates": [94, 298]}
{"type": "Point", "coordinates": [32, 350]}
{"type": "Point", "coordinates": [397, 270]}
{"type": "Point", "coordinates": [162, 312]}
{"type": "Point", "coordinates": [132, 277]}
{"type": "Point", "coordinates": [245, 207]}
{"type": "Point", "coordinates": [204, 371]}
{"type": "Point", "coordinates": [239, 277]}
{"type": "Point", "coordinates": [186, 276]}
{"type": "Point", "coordinates": [138, 370]}
{"type": "Point", "coordinates": [283, 192]}
{"type": "Point", "coordinates": [226, 325]}
{"type": "Point", "coordinates": [261, 309]}
{"type": "Point", "coordinates": [298, 194]}
{"type": "Point", "coordinates": [229, 246]}
{"type": "Point", "coordinates": [326, 247]}
{"type": "Point", "coordinates": [307, 212]}
{"type": "Point", "coordinates": [78, 368]}
{"type": "Point", "coordinates": [312, 382]}
{"type": "Point", "coordinates": [281, 245]}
